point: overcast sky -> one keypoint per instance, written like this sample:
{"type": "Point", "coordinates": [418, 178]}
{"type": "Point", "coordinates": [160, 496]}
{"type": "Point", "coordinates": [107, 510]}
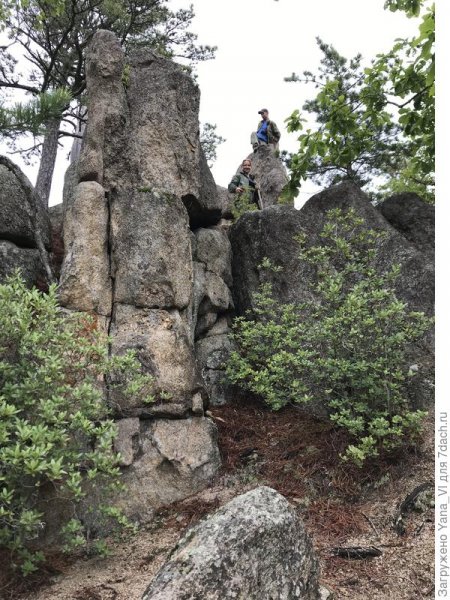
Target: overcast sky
{"type": "Point", "coordinates": [262, 41]}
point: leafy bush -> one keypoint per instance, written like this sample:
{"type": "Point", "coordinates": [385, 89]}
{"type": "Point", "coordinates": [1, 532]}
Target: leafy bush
{"type": "Point", "coordinates": [346, 350]}
{"type": "Point", "coordinates": [243, 203]}
{"type": "Point", "coordinates": [55, 433]}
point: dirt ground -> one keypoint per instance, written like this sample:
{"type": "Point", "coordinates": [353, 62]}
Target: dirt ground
{"type": "Point", "coordinates": [341, 506]}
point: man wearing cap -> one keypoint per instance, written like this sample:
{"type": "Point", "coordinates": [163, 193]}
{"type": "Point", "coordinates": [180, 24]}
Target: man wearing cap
{"type": "Point", "coordinates": [266, 133]}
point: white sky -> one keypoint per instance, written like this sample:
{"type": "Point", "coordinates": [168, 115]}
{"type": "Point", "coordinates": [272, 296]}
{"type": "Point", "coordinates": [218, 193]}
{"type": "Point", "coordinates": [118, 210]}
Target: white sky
{"type": "Point", "coordinates": [262, 41]}
{"type": "Point", "coordinates": [259, 43]}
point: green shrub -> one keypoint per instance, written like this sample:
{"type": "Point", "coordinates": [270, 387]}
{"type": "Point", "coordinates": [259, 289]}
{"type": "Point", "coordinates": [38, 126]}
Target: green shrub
{"type": "Point", "coordinates": [346, 350]}
{"type": "Point", "coordinates": [55, 432]}
{"type": "Point", "coordinates": [243, 203]}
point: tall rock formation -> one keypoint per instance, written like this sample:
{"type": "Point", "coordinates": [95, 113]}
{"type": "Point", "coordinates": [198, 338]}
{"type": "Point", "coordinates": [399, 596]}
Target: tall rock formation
{"type": "Point", "coordinates": [142, 185]}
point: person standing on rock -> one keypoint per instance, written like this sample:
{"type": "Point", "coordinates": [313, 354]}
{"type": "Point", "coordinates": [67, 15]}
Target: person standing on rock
{"type": "Point", "coordinates": [266, 133]}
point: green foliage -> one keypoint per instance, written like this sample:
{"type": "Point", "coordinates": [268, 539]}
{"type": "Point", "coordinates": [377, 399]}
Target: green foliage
{"type": "Point", "coordinates": [404, 79]}
{"type": "Point", "coordinates": [349, 142]}
{"type": "Point", "coordinates": [374, 122]}
{"type": "Point", "coordinates": [55, 430]}
{"type": "Point", "coordinates": [345, 350]}
{"type": "Point", "coordinates": [31, 117]}
{"type": "Point", "coordinates": [209, 140]}
{"type": "Point", "coordinates": [243, 203]}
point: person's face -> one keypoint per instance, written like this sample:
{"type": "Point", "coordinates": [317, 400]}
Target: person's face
{"type": "Point", "coordinates": [265, 115]}
{"type": "Point", "coordinates": [246, 166]}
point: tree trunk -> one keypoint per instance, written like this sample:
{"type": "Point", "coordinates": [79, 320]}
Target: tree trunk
{"type": "Point", "coordinates": [48, 159]}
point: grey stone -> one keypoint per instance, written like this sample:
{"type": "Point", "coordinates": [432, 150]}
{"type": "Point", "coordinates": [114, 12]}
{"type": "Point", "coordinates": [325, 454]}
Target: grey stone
{"type": "Point", "coordinates": [70, 183]}
{"type": "Point", "coordinates": [127, 440]}
{"type": "Point", "coordinates": [151, 250]}
{"type": "Point", "coordinates": [226, 201]}
{"type": "Point", "coordinates": [213, 249]}
{"type": "Point", "coordinates": [254, 547]}
{"type": "Point", "coordinates": [413, 218]}
{"type": "Point", "coordinates": [85, 276]}
{"type": "Point", "coordinates": [197, 404]}
{"type": "Point", "coordinates": [107, 109]}
{"type": "Point", "coordinates": [56, 214]}
{"type": "Point", "coordinates": [164, 148]}
{"type": "Point", "coordinates": [216, 296]}
{"type": "Point", "coordinates": [220, 391]}
{"type": "Point", "coordinates": [205, 323]}
{"type": "Point", "coordinates": [211, 297]}
{"type": "Point", "coordinates": [270, 174]}
{"type": "Point", "coordinates": [212, 354]}
{"type": "Point", "coordinates": [176, 459]}
{"type": "Point", "coordinates": [160, 339]}
{"type": "Point", "coordinates": [19, 215]}
{"type": "Point", "coordinates": [220, 327]}
{"type": "Point", "coordinates": [213, 351]}
{"type": "Point", "coordinates": [271, 233]}
{"type": "Point", "coordinates": [26, 259]}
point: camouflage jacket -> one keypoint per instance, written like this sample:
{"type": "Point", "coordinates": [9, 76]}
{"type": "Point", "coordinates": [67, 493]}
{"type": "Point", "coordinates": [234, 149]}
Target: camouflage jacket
{"type": "Point", "coordinates": [241, 180]}
{"type": "Point", "coordinates": [273, 133]}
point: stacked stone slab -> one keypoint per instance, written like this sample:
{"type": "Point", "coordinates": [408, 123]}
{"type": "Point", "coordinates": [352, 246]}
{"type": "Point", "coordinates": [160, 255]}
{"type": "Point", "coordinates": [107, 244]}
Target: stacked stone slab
{"type": "Point", "coordinates": [141, 203]}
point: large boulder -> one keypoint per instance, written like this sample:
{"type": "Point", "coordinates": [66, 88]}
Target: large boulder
{"type": "Point", "coordinates": [168, 460]}
{"type": "Point", "coordinates": [23, 221]}
{"type": "Point", "coordinates": [412, 217]}
{"type": "Point", "coordinates": [20, 212]}
{"type": "Point", "coordinates": [254, 547]}
{"type": "Point", "coordinates": [271, 233]}
{"type": "Point", "coordinates": [28, 260]}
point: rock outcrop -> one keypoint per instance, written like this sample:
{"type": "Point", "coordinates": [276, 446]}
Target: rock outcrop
{"type": "Point", "coordinates": [271, 233]}
{"type": "Point", "coordinates": [270, 174]}
{"type": "Point", "coordinates": [413, 218]}
{"type": "Point", "coordinates": [140, 187]}
{"type": "Point", "coordinates": [254, 547]}
{"type": "Point", "coordinates": [22, 219]}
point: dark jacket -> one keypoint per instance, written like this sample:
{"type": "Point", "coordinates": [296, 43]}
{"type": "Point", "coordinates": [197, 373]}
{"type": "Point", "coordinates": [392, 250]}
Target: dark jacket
{"type": "Point", "coordinates": [245, 181]}
{"type": "Point", "coordinates": [241, 180]}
